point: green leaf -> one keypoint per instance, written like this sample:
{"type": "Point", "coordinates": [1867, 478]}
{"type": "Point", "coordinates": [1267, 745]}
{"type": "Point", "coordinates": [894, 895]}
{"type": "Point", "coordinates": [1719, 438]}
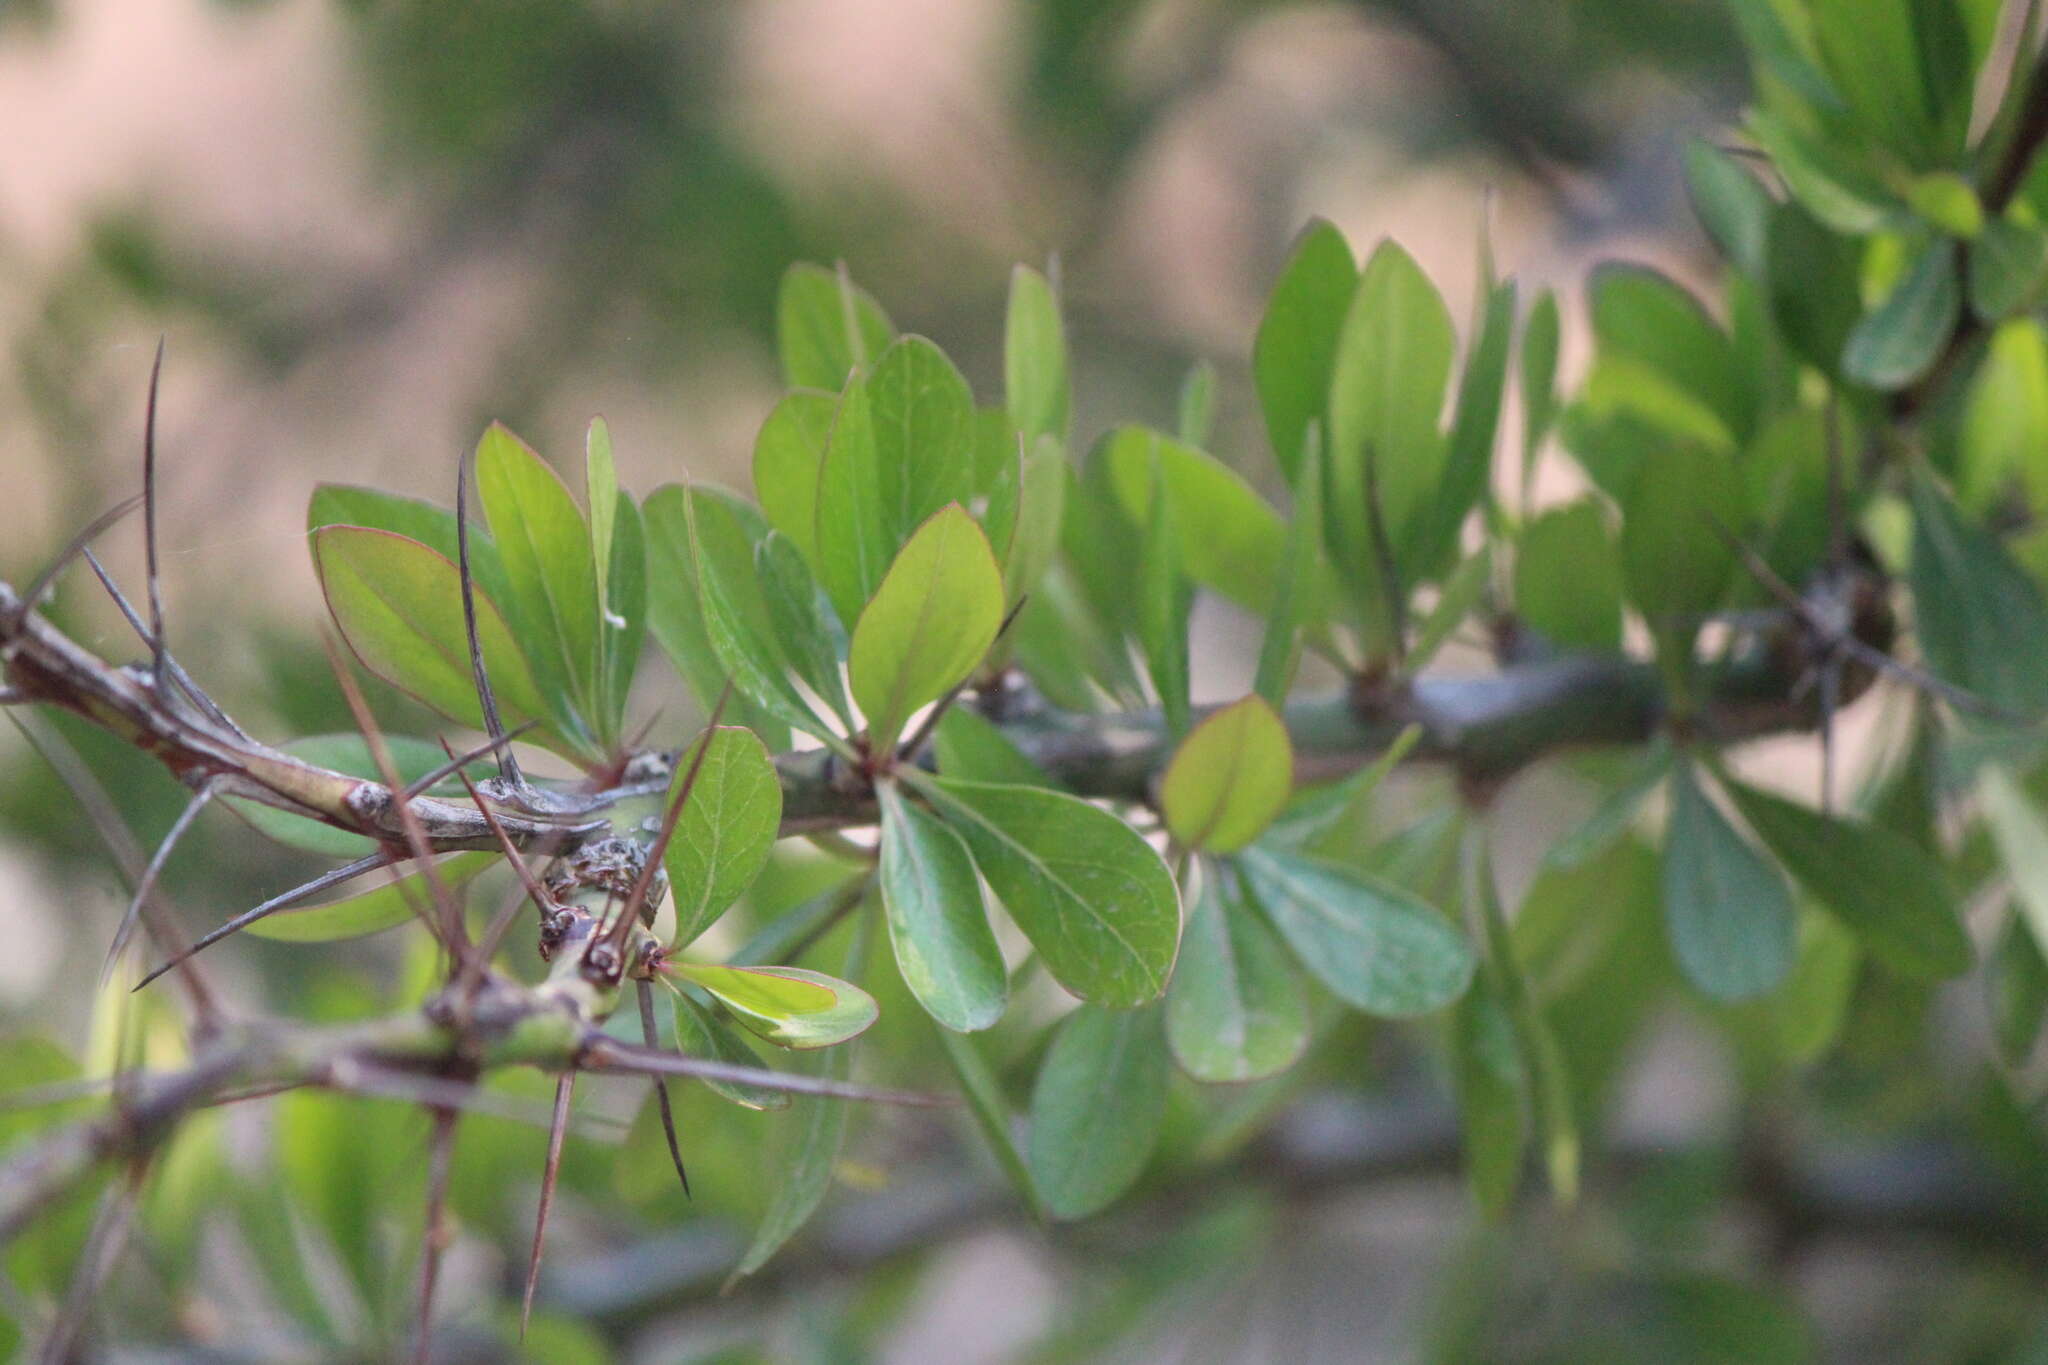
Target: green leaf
{"type": "Point", "coordinates": [2005, 417]}
{"type": "Point", "coordinates": [2008, 266]}
{"type": "Point", "coordinates": [1468, 461]}
{"type": "Point", "coordinates": [1377, 947]}
{"type": "Point", "coordinates": [699, 1033]}
{"type": "Point", "coordinates": [1097, 1108]}
{"type": "Point", "coordinates": [1800, 1022]}
{"type": "Point", "coordinates": [432, 526]}
{"type": "Point", "coordinates": [1813, 281]}
{"type": "Point", "coordinates": [852, 535]}
{"type": "Point", "coordinates": [929, 623]}
{"type": "Point", "coordinates": [802, 1168]}
{"type": "Point", "coordinates": [1640, 315]}
{"type": "Point", "coordinates": [1035, 358]}
{"type": "Point", "coordinates": [1674, 559]}
{"type": "Point", "coordinates": [399, 606]}
{"type": "Point", "coordinates": [1538, 378]}
{"type": "Point", "coordinates": [1608, 820]}
{"type": "Point", "coordinates": [787, 1006]}
{"type": "Point", "coordinates": [967, 744]}
{"type": "Point", "coordinates": [1902, 66]}
{"type": "Point", "coordinates": [922, 414]}
{"type": "Point", "coordinates": [1234, 1009]}
{"type": "Point", "coordinates": [1896, 343]}
{"type": "Point", "coordinates": [1568, 578]}
{"type": "Point", "coordinates": [1301, 566]}
{"type": "Point", "coordinates": [1229, 778]}
{"type": "Point", "coordinates": [624, 622]}
{"type": "Point", "coordinates": [2016, 991]}
{"type": "Point", "coordinates": [675, 597]}
{"type": "Point", "coordinates": [342, 753]}
{"type": "Point", "coordinates": [2021, 836]}
{"type": "Point", "coordinates": [937, 922]}
{"type": "Point", "coordinates": [1457, 600]}
{"type": "Point", "coordinates": [1031, 538]}
{"type": "Point", "coordinates": [383, 906]}
{"type": "Point", "coordinates": [1087, 890]}
{"type": "Point", "coordinates": [1726, 908]}
{"type": "Point", "coordinates": [1164, 602]}
{"type": "Point", "coordinates": [721, 536]}
{"type": "Point", "coordinates": [727, 826]}
{"type": "Point", "coordinates": [810, 635]}
{"type": "Point", "coordinates": [1841, 194]}
{"type": "Point", "coordinates": [825, 327]}
{"type": "Point", "coordinates": [1492, 1089]}
{"type": "Point", "coordinates": [1197, 406]}
{"type": "Point", "coordinates": [1732, 206]}
{"type": "Point", "coordinates": [1978, 617]}
{"type": "Point", "coordinates": [1296, 349]}
{"type": "Point", "coordinates": [1883, 887]}
{"type": "Point", "coordinates": [1386, 393]}
{"type": "Point", "coordinates": [991, 1112]}
{"type": "Point", "coordinates": [787, 454]}
{"type": "Point", "coordinates": [544, 544]}
{"type": "Point", "coordinates": [1231, 540]}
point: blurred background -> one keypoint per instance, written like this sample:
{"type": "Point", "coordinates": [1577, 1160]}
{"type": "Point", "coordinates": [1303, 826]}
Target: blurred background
{"type": "Point", "coordinates": [367, 227]}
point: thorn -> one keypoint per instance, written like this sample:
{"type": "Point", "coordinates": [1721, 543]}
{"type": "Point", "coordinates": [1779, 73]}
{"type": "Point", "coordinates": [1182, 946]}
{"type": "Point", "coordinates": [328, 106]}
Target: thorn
{"type": "Point", "coordinates": [434, 1236]}
{"type": "Point", "coordinates": [450, 930]}
{"type": "Point", "coordinates": [637, 897]}
{"type": "Point", "coordinates": [154, 584]}
{"type": "Point", "coordinates": [604, 1053]}
{"type": "Point", "coordinates": [147, 882]}
{"type": "Point", "coordinates": [177, 671]}
{"type": "Point", "coordinates": [73, 548]}
{"type": "Point", "coordinates": [668, 1115]}
{"type": "Point", "coordinates": [470, 974]}
{"type": "Point", "coordinates": [455, 765]}
{"type": "Point", "coordinates": [508, 764]}
{"type": "Point", "coordinates": [557, 1130]}
{"type": "Point", "coordinates": [334, 877]}
{"type": "Point", "coordinates": [1830, 698]}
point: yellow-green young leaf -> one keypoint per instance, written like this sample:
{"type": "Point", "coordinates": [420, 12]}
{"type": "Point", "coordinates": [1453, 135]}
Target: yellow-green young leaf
{"type": "Point", "coordinates": [399, 606]}
{"type": "Point", "coordinates": [1092, 896]}
{"type": "Point", "coordinates": [699, 1033]}
{"type": "Point", "coordinates": [1301, 568]}
{"type": "Point", "coordinates": [601, 496]}
{"type": "Point", "coordinates": [726, 828]}
{"type": "Point", "coordinates": [1297, 341]}
{"type": "Point", "coordinates": [1197, 405]}
{"type": "Point", "coordinates": [384, 905]}
{"type": "Point", "coordinates": [1726, 908]}
{"type": "Point", "coordinates": [787, 454]}
{"type": "Point", "coordinates": [1456, 600]}
{"type": "Point", "coordinates": [624, 622]}
{"type": "Point", "coordinates": [2005, 420]}
{"type": "Point", "coordinates": [1674, 560]}
{"type": "Point", "coordinates": [787, 1006]}
{"type": "Point", "coordinates": [1235, 1010]}
{"type": "Point", "coordinates": [1642, 316]}
{"type": "Point", "coordinates": [1035, 358]}
{"type": "Point", "coordinates": [1097, 1108]}
{"type": "Point", "coordinates": [1946, 200]}
{"type": "Point", "coordinates": [1031, 536]}
{"type": "Point", "coordinates": [938, 924]}
{"type": "Point", "coordinates": [1885, 888]}
{"type": "Point", "coordinates": [826, 327]}
{"type": "Point", "coordinates": [1229, 778]}
{"type": "Point", "coordinates": [544, 545]}
{"type": "Point", "coordinates": [1377, 947]}
{"type": "Point", "coordinates": [931, 620]}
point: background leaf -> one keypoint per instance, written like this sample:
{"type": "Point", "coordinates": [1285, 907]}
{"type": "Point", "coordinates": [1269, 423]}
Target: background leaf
{"type": "Point", "coordinates": [1096, 1110]}
{"type": "Point", "coordinates": [1726, 908]}
{"type": "Point", "coordinates": [1234, 1009]}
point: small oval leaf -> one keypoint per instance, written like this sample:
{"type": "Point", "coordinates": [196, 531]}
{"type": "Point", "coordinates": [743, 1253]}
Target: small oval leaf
{"type": "Point", "coordinates": [787, 1006]}
{"type": "Point", "coordinates": [1230, 777]}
